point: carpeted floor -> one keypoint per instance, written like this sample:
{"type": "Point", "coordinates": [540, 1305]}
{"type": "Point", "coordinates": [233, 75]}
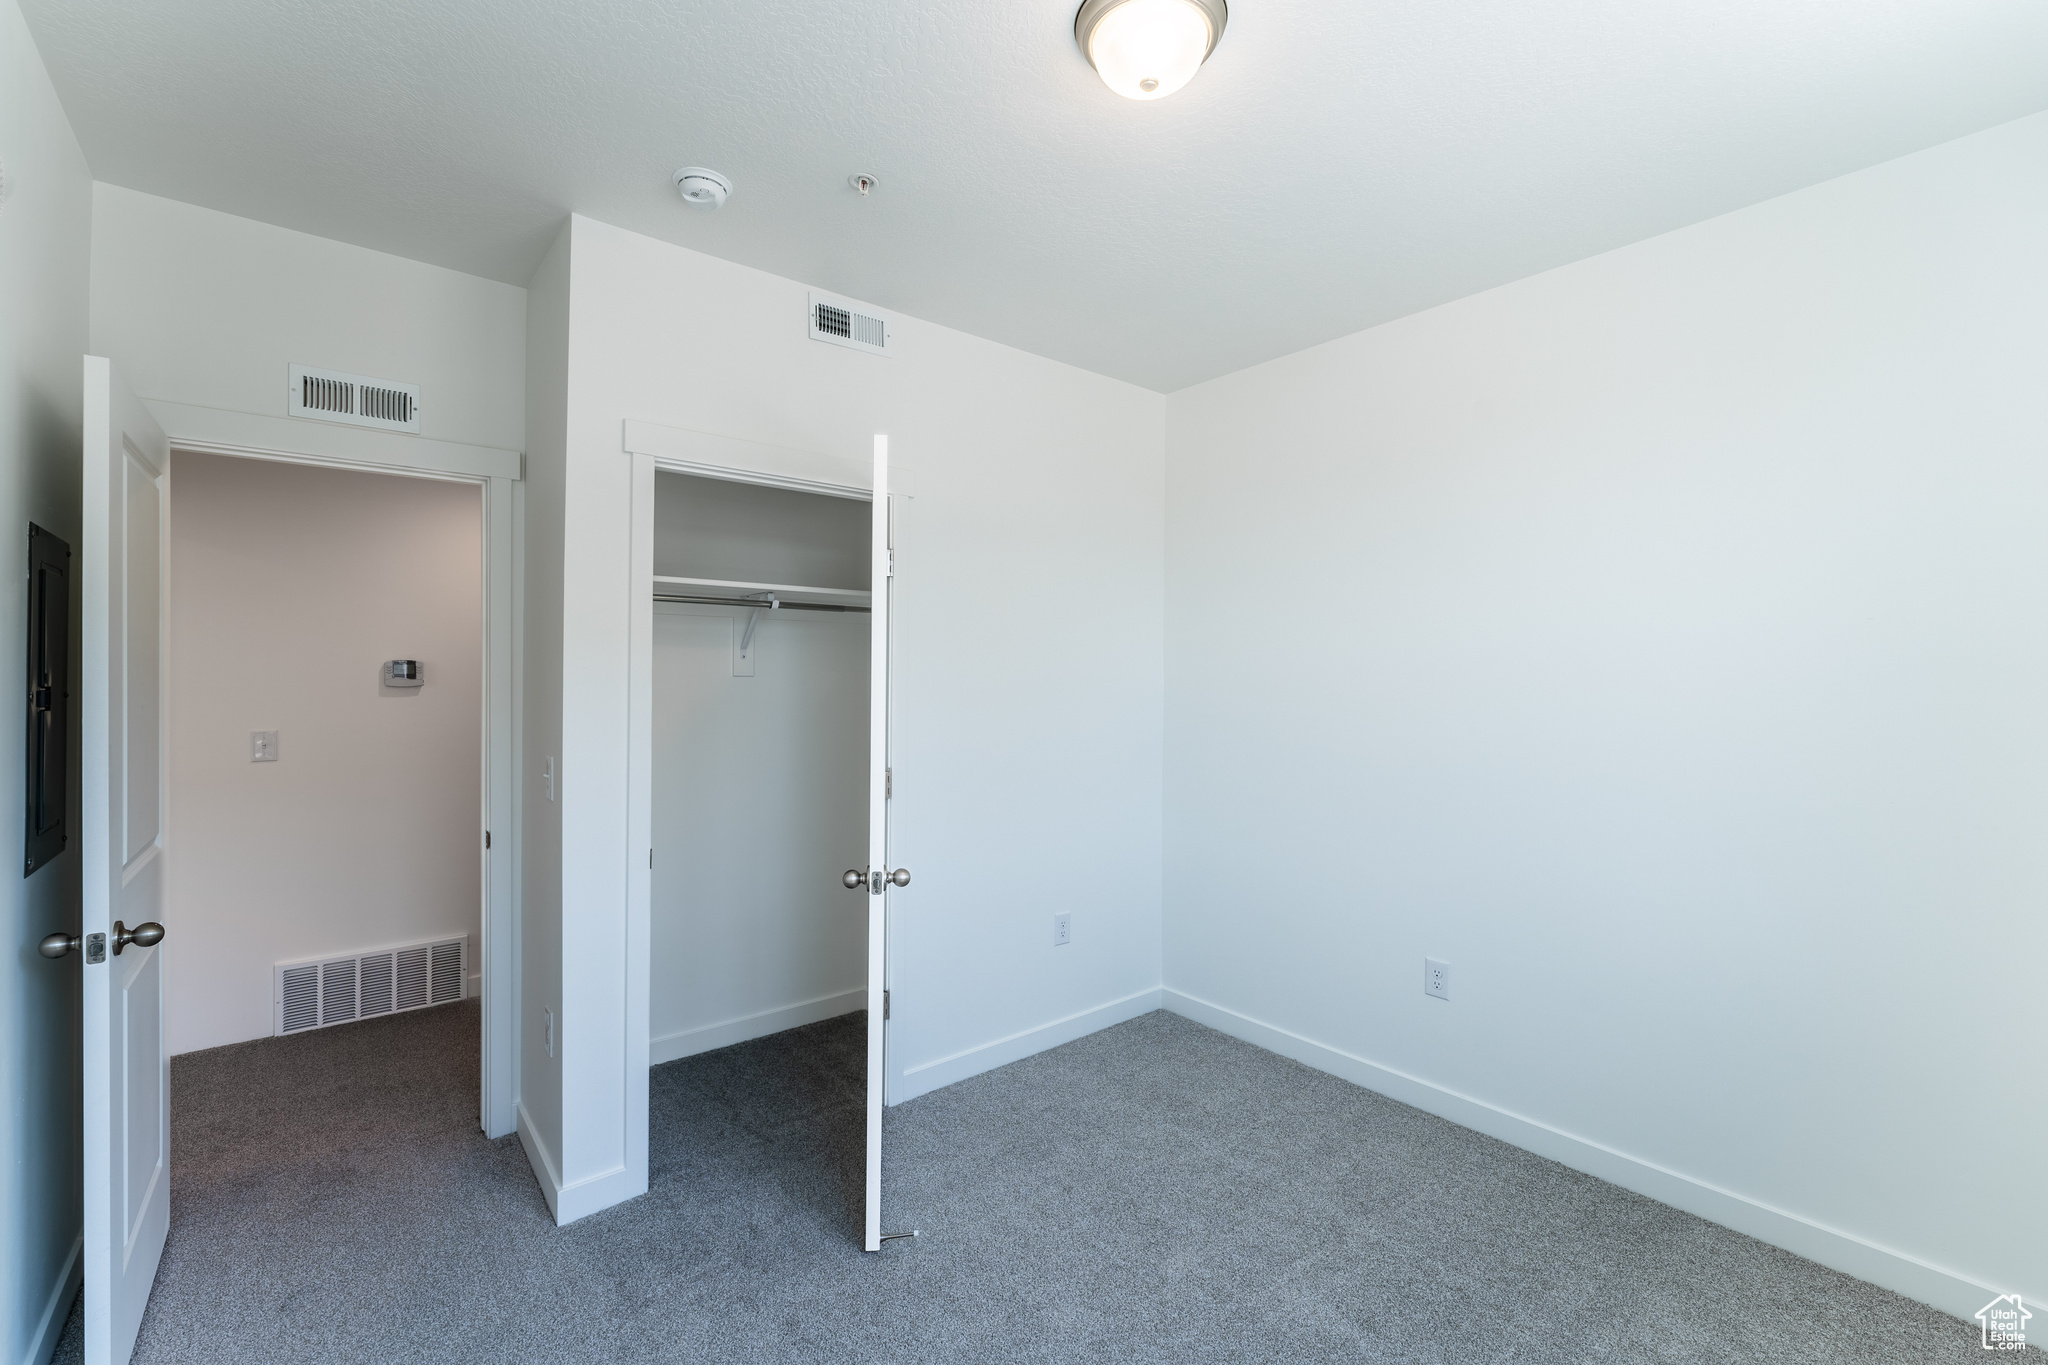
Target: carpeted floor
{"type": "Point", "coordinates": [1155, 1192]}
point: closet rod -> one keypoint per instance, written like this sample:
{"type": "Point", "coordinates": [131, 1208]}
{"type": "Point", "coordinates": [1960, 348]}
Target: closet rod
{"type": "Point", "coordinates": [763, 606]}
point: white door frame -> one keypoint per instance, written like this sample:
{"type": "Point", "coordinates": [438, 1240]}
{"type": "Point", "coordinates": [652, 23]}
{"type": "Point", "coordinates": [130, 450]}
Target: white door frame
{"type": "Point", "coordinates": [497, 474]}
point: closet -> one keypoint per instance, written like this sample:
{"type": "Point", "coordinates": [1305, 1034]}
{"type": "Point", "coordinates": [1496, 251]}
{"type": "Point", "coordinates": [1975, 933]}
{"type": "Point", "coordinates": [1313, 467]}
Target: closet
{"type": "Point", "coordinates": [762, 602]}
{"type": "Point", "coordinates": [766, 762]}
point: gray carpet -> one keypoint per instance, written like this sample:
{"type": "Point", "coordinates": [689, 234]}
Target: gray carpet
{"type": "Point", "coordinates": [1155, 1192]}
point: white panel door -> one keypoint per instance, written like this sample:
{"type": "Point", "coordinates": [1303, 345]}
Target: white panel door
{"type": "Point", "coordinates": [879, 876]}
{"type": "Point", "coordinates": [127, 1096]}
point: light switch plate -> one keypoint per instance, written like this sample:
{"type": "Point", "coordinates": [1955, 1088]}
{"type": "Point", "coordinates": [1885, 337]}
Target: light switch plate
{"type": "Point", "coordinates": [263, 746]}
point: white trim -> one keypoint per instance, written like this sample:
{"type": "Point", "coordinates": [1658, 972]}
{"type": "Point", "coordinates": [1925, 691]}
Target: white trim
{"type": "Point", "coordinates": [670, 1047]}
{"type": "Point", "coordinates": [222, 431]}
{"type": "Point", "coordinates": [587, 1196]}
{"type": "Point", "coordinates": [540, 1158]}
{"type": "Point", "coordinates": [495, 955]}
{"type": "Point", "coordinates": [42, 1343]}
{"type": "Point", "coordinates": [1952, 1293]}
{"type": "Point", "coordinates": [494, 472]}
{"type": "Point", "coordinates": [710, 455]}
{"type": "Point", "coordinates": [596, 1193]}
{"type": "Point", "coordinates": [926, 1077]}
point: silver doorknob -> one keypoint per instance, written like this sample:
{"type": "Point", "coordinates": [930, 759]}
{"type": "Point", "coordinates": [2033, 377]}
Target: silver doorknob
{"type": "Point", "coordinates": [901, 876]}
{"type": "Point", "coordinates": [56, 945]}
{"type": "Point", "coordinates": [142, 935]}
{"type": "Point", "coordinates": [853, 881]}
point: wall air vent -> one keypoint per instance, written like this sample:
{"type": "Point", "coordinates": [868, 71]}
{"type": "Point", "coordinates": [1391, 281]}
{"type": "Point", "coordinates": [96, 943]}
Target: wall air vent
{"type": "Point", "coordinates": [319, 992]}
{"type": "Point", "coordinates": [330, 396]}
{"type": "Point", "coordinates": [850, 324]}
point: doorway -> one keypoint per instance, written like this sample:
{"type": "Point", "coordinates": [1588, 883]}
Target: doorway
{"type": "Point", "coordinates": [765, 633]}
{"type": "Point", "coordinates": [324, 722]}
{"type": "Point", "coordinates": [124, 781]}
{"type": "Point", "coordinates": [760, 761]}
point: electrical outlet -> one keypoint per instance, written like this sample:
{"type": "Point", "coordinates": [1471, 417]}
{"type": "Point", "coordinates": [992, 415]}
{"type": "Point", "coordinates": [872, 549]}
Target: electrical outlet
{"type": "Point", "coordinates": [263, 746]}
{"type": "Point", "coordinates": [1436, 978]}
{"type": "Point", "coordinates": [547, 1030]}
{"type": "Point", "coordinates": [1062, 930]}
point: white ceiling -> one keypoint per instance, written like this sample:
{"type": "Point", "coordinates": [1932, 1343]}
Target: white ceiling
{"type": "Point", "coordinates": [1337, 163]}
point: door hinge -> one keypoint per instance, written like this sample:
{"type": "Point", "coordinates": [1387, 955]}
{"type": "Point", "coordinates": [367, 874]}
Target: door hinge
{"type": "Point", "coordinates": [650, 857]}
{"type": "Point", "coordinates": [885, 1004]}
{"type": "Point", "coordinates": [487, 838]}
{"type": "Point", "coordinates": [888, 783]}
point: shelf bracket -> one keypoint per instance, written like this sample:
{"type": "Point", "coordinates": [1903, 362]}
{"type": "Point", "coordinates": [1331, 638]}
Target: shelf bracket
{"type": "Point", "coordinates": [766, 601]}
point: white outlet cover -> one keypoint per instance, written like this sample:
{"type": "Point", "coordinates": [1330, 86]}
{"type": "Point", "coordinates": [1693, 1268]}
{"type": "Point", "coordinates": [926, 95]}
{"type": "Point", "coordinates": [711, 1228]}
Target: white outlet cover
{"type": "Point", "coordinates": [1436, 978]}
{"type": "Point", "coordinates": [1062, 930]}
{"type": "Point", "coordinates": [263, 746]}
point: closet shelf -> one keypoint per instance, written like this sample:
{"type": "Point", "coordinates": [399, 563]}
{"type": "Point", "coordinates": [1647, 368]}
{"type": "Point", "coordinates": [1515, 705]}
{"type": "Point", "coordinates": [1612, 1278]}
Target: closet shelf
{"type": "Point", "coordinates": [740, 592]}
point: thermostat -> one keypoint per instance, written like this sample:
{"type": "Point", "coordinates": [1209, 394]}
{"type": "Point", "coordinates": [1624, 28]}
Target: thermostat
{"type": "Point", "coordinates": [402, 673]}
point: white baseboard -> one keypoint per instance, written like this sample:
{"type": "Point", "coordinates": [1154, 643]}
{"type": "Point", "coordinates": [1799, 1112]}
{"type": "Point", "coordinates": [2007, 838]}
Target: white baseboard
{"type": "Point", "coordinates": [595, 1192]}
{"type": "Point", "coordinates": [929, 1076]}
{"type": "Point", "coordinates": [541, 1159]}
{"type": "Point", "coordinates": [42, 1343]}
{"type": "Point", "coordinates": [671, 1047]}
{"type": "Point", "coordinates": [583, 1197]}
{"type": "Point", "coordinates": [1952, 1293]}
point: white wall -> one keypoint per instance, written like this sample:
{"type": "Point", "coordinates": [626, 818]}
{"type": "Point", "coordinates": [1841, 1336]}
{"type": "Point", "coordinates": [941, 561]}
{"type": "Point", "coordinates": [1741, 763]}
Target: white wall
{"type": "Point", "coordinates": [540, 699]}
{"type": "Point", "coordinates": [1658, 640]}
{"type": "Point", "coordinates": [201, 307]}
{"type": "Point", "coordinates": [289, 586]}
{"type": "Point", "coordinates": [1027, 653]}
{"type": "Point", "coordinates": [45, 231]}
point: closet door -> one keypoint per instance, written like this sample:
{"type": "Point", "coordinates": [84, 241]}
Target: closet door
{"type": "Point", "coordinates": [880, 878]}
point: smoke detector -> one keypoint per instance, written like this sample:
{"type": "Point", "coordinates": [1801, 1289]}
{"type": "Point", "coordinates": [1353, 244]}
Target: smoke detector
{"type": "Point", "coordinates": [702, 186]}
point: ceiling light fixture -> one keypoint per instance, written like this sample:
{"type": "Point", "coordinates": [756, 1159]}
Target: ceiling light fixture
{"type": "Point", "coordinates": [702, 186]}
{"type": "Point", "coordinates": [1147, 49]}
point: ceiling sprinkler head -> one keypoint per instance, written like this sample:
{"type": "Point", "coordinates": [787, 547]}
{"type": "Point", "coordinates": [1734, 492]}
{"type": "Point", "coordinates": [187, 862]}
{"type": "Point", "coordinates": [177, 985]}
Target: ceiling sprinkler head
{"type": "Point", "coordinates": [702, 186]}
{"type": "Point", "coordinates": [862, 182]}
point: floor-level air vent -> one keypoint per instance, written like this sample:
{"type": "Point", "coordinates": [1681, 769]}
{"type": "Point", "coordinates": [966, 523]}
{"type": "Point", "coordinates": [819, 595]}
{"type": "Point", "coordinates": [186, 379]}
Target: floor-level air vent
{"type": "Point", "coordinates": [849, 324]}
{"type": "Point", "coordinates": [318, 992]}
{"type": "Point", "coordinates": [331, 396]}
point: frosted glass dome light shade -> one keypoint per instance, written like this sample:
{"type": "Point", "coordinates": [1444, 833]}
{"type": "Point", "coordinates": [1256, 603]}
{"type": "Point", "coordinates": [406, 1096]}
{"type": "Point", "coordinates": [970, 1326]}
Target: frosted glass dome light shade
{"type": "Point", "coordinates": [1147, 49]}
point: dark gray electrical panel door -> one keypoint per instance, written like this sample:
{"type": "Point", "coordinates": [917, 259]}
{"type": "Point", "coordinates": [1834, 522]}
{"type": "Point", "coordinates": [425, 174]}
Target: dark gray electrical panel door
{"type": "Point", "coordinates": [49, 695]}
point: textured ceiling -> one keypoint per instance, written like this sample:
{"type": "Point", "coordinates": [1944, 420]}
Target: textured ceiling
{"type": "Point", "coordinates": [1337, 163]}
